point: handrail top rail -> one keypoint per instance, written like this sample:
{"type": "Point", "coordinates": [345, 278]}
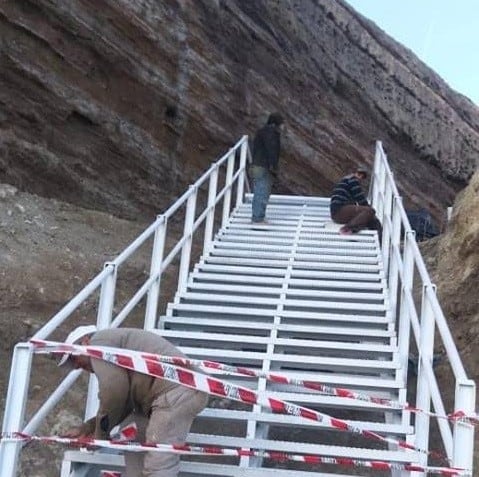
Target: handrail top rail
{"type": "Point", "coordinates": [445, 333]}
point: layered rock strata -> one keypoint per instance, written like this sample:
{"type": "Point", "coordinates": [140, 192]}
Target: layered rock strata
{"type": "Point", "coordinates": [118, 105]}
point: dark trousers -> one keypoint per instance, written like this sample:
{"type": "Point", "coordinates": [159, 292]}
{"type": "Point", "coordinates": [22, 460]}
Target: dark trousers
{"type": "Point", "coordinates": [358, 217]}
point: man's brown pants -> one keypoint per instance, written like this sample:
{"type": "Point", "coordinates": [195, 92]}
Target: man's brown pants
{"type": "Point", "coordinates": [358, 217]}
{"type": "Point", "coordinates": [171, 417]}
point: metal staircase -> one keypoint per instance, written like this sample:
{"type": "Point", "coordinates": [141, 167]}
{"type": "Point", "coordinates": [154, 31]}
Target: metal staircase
{"type": "Point", "coordinates": [294, 298]}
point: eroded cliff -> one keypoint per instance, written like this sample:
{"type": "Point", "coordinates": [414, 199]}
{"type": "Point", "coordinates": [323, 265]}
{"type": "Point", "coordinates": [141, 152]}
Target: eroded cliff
{"type": "Point", "coordinates": [118, 105]}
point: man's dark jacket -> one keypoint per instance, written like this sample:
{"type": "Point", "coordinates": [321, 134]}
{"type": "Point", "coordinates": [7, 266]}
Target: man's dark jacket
{"type": "Point", "coordinates": [266, 146]}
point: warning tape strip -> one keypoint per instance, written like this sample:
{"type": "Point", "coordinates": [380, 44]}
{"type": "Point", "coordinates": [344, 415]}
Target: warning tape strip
{"type": "Point", "coordinates": [126, 433]}
{"type": "Point", "coordinates": [134, 361]}
{"type": "Point", "coordinates": [458, 416]}
{"type": "Point", "coordinates": [186, 449]}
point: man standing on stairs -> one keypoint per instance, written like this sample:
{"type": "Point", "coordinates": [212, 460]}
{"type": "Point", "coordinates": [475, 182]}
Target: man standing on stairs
{"type": "Point", "coordinates": [349, 205]}
{"type": "Point", "coordinates": [163, 411]}
{"type": "Point", "coordinates": [266, 146]}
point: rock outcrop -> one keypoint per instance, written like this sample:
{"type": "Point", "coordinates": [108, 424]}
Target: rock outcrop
{"type": "Point", "coordinates": [455, 263]}
{"type": "Point", "coordinates": [118, 105]}
{"type": "Point", "coordinates": [457, 271]}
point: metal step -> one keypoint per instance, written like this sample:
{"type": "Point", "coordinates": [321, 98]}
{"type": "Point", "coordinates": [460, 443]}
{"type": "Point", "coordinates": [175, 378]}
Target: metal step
{"type": "Point", "coordinates": [350, 316]}
{"type": "Point", "coordinates": [281, 344]}
{"type": "Point", "coordinates": [263, 263]}
{"type": "Point", "coordinates": [238, 300]}
{"type": "Point", "coordinates": [298, 422]}
{"type": "Point", "coordinates": [187, 469]}
{"type": "Point", "coordinates": [275, 272]}
{"type": "Point", "coordinates": [223, 279]}
{"type": "Point", "coordinates": [208, 286]}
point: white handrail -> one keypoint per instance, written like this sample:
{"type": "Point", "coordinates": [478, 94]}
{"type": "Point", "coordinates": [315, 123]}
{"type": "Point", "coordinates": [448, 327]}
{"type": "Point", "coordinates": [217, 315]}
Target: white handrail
{"type": "Point", "coordinates": [402, 258]}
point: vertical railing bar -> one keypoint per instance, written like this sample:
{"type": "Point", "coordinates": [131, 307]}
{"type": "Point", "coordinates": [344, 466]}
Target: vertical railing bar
{"type": "Point", "coordinates": [463, 436]}
{"type": "Point", "coordinates": [228, 186]}
{"type": "Point", "coordinates": [423, 393]}
{"type": "Point", "coordinates": [249, 161]}
{"type": "Point", "coordinates": [210, 218]}
{"type": "Point", "coordinates": [188, 232]}
{"type": "Point", "coordinates": [103, 321]}
{"type": "Point", "coordinates": [241, 177]}
{"type": "Point", "coordinates": [387, 232]}
{"type": "Point", "coordinates": [375, 176]}
{"type": "Point", "coordinates": [155, 271]}
{"type": "Point", "coordinates": [404, 328]}
{"type": "Point", "coordinates": [15, 405]}
{"type": "Point", "coordinates": [382, 185]}
{"type": "Point", "coordinates": [393, 277]}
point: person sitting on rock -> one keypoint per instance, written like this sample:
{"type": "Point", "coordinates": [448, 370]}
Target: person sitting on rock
{"type": "Point", "coordinates": [350, 207]}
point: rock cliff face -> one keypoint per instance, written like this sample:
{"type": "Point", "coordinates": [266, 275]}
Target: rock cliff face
{"type": "Point", "coordinates": [117, 105]}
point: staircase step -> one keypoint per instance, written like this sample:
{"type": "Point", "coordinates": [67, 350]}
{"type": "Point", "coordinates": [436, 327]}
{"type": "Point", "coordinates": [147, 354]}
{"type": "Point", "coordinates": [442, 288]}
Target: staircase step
{"type": "Point", "coordinates": [281, 272]}
{"type": "Point", "coordinates": [280, 343]}
{"type": "Point", "coordinates": [320, 449]}
{"type": "Point", "coordinates": [252, 290]}
{"type": "Point", "coordinates": [262, 252]}
{"type": "Point", "coordinates": [190, 468]}
{"type": "Point", "coordinates": [197, 277]}
{"type": "Point", "coordinates": [297, 422]}
{"type": "Point", "coordinates": [319, 242]}
{"type": "Point", "coordinates": [302, 264]}
{"type": "Point", "coordinates": [192, 297]}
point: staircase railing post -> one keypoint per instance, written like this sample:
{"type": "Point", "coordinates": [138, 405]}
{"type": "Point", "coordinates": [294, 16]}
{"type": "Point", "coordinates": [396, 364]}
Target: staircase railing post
{"type": "Point", "coordinates": [103, 321]}
{"type": "Point", "coordinates": [155, 271]}
{"type": "Point", "coordinates": [404, 328]}
{"type": "Point", "coordinates": [210, 217]}
{"type": "Point", "coordinates": [387, 232]}
{"type": "Point", "coordinates": [463, 437]}
{"type": "Point", "coordinates": [13, 420]}
{"type": "Point", "coordinates": [228, 186]}
{"type": "Point", "coordinates": [374, 196]}
{"type": "Point", "coordinates": [426, 352]}
{"type": "Point", "coordinates": [242, 169]}
{"type": "Point", "coordinates": [381, 190]}
{"type": "Point", "coordinates": [107, 298]}
{"type": "Point", "coordinates": [393, 263]}
{"type": "Point", "coordinates": [188, 233]}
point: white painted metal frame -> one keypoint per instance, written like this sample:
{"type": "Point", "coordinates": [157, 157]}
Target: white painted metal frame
{"type": "Point", "coordinates": [299, 258]}
{"type": "Point", "coordinates": [403, 262]}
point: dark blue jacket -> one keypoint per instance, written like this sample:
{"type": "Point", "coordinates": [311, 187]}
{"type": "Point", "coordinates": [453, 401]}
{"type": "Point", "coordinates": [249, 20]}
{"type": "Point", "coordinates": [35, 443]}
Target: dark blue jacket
{"type": "Point", "coordinates": [266, 145]}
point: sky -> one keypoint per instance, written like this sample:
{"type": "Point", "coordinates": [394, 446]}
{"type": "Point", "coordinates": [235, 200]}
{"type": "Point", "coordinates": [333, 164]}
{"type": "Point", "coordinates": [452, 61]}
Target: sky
{"type": "Point", "coordinates": [444, 34]}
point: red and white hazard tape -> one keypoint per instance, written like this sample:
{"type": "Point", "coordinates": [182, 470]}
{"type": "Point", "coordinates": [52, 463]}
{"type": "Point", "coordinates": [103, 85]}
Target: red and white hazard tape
{"type": "Point", "coordinates": [458, 416]}
{"type": "Point", "coordinates": [127, 433]}
{"type": "Point", "coordinates": [110, 473]}
{"type": "Point", "coordinates": [186, 449]}
{"type": "Point", "coordinates": [135, 361]}
{"type": "Point", "coordinates": [322, 388]}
